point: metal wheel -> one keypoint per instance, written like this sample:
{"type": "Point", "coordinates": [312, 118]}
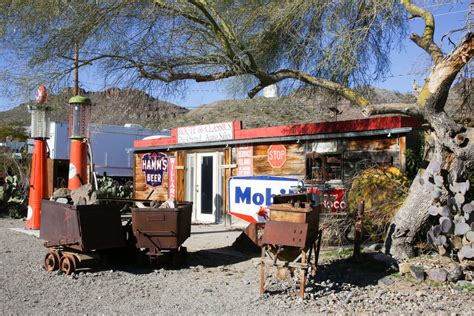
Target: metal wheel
{"type": "Point", "coordinates": [51, 261]}
{"type": "Point", "coordinates": [67, 264]}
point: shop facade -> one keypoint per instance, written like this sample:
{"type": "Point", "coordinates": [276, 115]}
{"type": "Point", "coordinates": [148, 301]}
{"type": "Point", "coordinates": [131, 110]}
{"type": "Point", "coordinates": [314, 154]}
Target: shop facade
{"type": "Point", "coordinates": [217, 166]}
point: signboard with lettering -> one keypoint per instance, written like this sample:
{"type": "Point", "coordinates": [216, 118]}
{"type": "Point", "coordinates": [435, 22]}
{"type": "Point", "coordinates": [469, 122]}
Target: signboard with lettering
{"type": "Point", "coordinates": [276, 155]}
{"type": "Point", "coordinates": [172, 178]}
{"type": "Point", "coordinates": [153, 167]}
{"type": "Point", "coordinates": [333, 200]}
{"type": "Point", "coordinates": [205, 133]}
{"type": "Point", "coordinates": [245, 160]}
{"type": "Point", "coordinates": [249, 195]}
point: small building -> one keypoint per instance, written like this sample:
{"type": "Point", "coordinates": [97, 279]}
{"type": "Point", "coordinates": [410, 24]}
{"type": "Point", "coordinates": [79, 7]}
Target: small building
{"type": "Point", "coordinates": [217, 166]}
{"type": "Point", "coordinates": [112, 146]}
{"type": "Point", "coordinates": [112, 150]}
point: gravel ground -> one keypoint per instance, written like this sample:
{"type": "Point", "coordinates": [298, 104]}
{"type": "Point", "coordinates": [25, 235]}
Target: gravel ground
{"type": "Point", "coordinates": [215, 279]}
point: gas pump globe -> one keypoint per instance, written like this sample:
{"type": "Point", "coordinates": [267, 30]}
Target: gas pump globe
{"type": "Point", "coordinates": [40, 120]}
{"type": "Point", "coordinates": [39, 173]}
{"type": "Point", "coordinates": [80, 117]}
{"type": "Point", "coordinates": [79, 122]}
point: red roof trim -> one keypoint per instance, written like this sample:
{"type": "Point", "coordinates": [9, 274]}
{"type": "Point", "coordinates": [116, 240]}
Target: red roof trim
{"type": "Point", "coordinates": [369, 124]}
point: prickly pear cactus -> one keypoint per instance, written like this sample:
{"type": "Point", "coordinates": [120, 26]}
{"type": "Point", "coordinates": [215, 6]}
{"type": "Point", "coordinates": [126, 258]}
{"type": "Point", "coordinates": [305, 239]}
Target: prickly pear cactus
{"type": "Point", "coordinates": [112, 188]}
{"type": "Point", "coordinates": [454, 233]}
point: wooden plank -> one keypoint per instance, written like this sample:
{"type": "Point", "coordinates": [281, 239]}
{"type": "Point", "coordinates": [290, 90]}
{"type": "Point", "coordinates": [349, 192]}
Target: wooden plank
{"type": "Point", "coordinates": [227, 175]}
{"type": "Point", "coordinates": [141, 190]}
{"type": "Point", "coordinates": [402, 152]}
{"type": "Point", "coordinates": [180, 175]}
{"type": "Point", "coordinates": [294, 165]}
{"type": "Point", "coordinates": [371, 144]}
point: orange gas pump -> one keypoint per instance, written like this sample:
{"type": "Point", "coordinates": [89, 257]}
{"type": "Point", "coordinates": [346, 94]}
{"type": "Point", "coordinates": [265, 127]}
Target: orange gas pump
{"type": "Point", "coordinates": [39, 173]}
{"type": "Point", "coordinates": [78, 133]}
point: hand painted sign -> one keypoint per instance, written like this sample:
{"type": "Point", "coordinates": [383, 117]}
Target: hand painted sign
{"type": "Point", "coordinates": [245, 160]}
{"type": "Point", "coordinates": [153, 166]}
{"type": "Point", "coordinates": [248, 195]}
{"type": "Point", "coordinates": [172, 178]}
{"type": "Point", "coordinates": [205, 133]}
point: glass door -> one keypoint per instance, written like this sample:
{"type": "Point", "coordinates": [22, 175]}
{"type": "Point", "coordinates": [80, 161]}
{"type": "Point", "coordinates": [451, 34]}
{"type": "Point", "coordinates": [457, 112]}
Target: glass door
{"type": "Point", "coordinates": [206, 187]}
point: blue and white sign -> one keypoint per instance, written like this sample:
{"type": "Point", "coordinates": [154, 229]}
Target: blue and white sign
{"type": "Point", "coordinates": [249, 196]}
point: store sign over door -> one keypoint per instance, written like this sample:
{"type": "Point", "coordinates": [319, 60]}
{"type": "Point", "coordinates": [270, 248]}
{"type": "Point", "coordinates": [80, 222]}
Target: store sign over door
{"type": "Point", "coordinates": [205, 133]}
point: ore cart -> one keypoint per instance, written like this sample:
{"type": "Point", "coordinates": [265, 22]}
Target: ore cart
{"type": "Point", "coordinates": [75, 234]}
{"type": "Point", "coordinates": [162, 231]}
{"type": "Point", "coordinates": [291, 238]}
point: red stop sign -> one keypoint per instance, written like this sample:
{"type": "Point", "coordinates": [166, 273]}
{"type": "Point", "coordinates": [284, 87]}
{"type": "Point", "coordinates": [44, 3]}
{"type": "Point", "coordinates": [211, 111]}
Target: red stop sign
{"type": "Point", "coordinates": [276, 155]}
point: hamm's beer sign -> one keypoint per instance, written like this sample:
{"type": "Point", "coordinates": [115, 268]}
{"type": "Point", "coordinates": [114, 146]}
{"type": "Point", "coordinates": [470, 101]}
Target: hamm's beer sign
{"type": "Point", "coordinates": [248, 195]}
{"type": "Point", "coordinates": [153, 166]}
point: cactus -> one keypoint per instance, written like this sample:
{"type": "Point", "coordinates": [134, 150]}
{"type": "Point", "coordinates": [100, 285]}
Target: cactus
{"type": "Point", "coordinates": [13, 197]}
{"type": "Point", "coordinates": [112, 188]}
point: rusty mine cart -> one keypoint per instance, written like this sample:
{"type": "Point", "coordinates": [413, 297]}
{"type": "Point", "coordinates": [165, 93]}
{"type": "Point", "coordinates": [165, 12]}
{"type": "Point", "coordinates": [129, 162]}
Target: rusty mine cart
{"type": "Point", "coordinates": [291, 239]}
{"type": "Point", "coordinates": [78, 234]}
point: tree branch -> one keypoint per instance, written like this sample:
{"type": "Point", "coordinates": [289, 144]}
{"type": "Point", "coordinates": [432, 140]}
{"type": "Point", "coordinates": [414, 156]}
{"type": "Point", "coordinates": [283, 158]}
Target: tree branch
{"type": "Point", "coordinates": [410, 109]}
{"type": "Point", "coordinates": [283, 74]}
{"type": "Point", "coordinates": [436, 88]}
{"type": "Point", "coordinates": [179, 12]}
{"type": "Point", "coordinates": [426, 40]}
{"type": "Point", "coordinates": [224, 33]}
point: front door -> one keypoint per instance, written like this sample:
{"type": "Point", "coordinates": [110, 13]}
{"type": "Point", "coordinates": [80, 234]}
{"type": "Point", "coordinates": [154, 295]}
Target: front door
{"type": "Point", "coordinates": [206, 187]}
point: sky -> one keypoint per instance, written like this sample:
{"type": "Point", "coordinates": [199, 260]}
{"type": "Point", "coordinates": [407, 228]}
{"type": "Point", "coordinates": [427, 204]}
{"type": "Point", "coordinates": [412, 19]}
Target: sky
{"type": "Point", "coordinates": [408, 64]}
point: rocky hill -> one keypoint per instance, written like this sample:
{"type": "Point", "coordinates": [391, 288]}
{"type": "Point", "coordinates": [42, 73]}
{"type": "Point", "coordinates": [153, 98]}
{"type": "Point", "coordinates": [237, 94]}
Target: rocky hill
{"type": "Point", "coordinates": [116, 106]}
{"type": "Point", "coordinates": [305, 105]}
{"type": "Point", "coordinates": [314, 105]}
{"type": "Point", "coordinates": [112, 106]}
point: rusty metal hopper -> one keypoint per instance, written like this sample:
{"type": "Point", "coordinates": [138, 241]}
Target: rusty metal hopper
{"type": "Point", "coordinates": [159, 229]}
{"type": "Point", "coordinates": [81, 227]}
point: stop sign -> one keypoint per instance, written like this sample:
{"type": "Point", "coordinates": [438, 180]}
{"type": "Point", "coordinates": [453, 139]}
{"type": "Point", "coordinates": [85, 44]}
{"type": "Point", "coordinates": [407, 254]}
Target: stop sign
{"type": "Point", "coordinates": [276, 155]}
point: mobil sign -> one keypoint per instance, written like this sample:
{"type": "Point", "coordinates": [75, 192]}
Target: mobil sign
{"type": "Point", "coordinates": [249, 195]}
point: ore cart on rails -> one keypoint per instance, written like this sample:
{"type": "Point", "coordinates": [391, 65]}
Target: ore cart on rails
{"type": "Point", "coordinates": [291, 239]}
{"type": "Point", "coordinates": [76, 235]}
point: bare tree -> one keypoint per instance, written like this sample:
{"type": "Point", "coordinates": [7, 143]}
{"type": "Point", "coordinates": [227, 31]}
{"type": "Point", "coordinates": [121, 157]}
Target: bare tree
{"type": "Point", "coordinates": [337, 45]}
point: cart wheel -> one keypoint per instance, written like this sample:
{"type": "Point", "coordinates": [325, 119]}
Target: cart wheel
{"type": "Point", "coordinates": [51, 261]}
{"type": "Point", "coordinates": [67, 264]}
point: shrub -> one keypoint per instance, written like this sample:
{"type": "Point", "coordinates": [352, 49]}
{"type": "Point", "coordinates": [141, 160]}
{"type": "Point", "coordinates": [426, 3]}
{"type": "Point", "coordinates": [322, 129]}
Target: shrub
{"type": "Point", "coordinates": [383, 189]}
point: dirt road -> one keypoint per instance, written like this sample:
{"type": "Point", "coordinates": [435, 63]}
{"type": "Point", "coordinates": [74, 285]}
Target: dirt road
{"type": "Point", "coordinates": [215, 279]}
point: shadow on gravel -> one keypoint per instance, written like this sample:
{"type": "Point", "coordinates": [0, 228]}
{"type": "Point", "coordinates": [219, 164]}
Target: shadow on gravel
{"type": "Point", "coordinates": [359, 272]}
{"type": "Point", "coordinates": [139, 263]}
{"type": "Point", "coordinates": [211, 258]}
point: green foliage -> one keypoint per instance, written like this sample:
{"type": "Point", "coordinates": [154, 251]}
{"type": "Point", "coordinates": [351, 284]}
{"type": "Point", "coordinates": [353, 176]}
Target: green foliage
{"type": "Point", "coordinates": [469, 175]}
{"type": "Point", "coordinates": [14, 132]}
{"type": "Point", "coordinates": [113, 189]}
{"type": "Point", "coordinates": [13, 197]}
{"type": "Point", "coordinates": [414, 157]}
{"type": "Point", "coordinates": [383, 189]}
{"type": "Point", "coordinates": [164, 40]}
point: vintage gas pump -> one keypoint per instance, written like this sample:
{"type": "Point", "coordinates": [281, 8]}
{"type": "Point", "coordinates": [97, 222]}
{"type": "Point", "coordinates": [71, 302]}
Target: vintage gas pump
{"type": "Point", "coordinates": [78, 134]}
{"type": "Point", "coordinates": [38, 174]}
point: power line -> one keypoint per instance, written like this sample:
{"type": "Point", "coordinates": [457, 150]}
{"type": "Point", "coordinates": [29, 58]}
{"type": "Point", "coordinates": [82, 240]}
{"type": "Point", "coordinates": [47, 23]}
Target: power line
{"type": "Point", "coordinates": [449, 13]}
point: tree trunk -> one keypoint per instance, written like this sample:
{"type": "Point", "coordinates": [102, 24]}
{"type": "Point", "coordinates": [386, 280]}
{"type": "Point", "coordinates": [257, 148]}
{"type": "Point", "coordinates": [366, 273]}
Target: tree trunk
{"type": "Point", "coordinates": [409, 221]}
